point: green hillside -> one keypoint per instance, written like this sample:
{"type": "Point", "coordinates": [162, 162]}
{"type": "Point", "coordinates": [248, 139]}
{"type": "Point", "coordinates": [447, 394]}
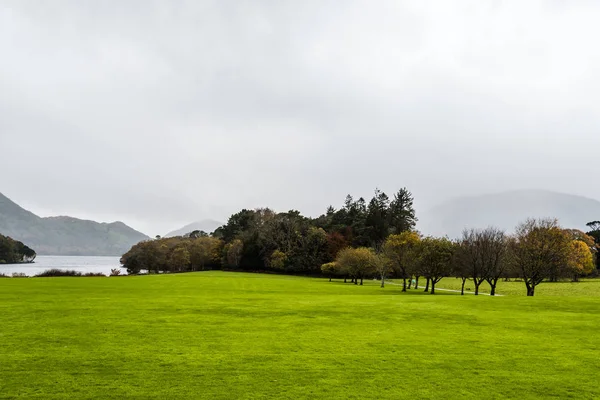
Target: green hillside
{"type": "Point", "coordinates": [65, 235]}
{"type": "Point", "coordinates": [219, 335]}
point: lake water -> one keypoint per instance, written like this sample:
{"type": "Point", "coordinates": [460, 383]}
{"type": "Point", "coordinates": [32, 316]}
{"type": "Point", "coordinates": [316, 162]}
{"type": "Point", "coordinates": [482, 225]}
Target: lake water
{"type": "Point", "coordinates": [81, 264]}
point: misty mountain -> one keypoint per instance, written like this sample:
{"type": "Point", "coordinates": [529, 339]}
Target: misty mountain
{"type": "Point", "coordinates": [65, 235]}
{"type": "Point", "coordinates": [206, 225]}
{"type": "Point", "coordinates": [506, 210]}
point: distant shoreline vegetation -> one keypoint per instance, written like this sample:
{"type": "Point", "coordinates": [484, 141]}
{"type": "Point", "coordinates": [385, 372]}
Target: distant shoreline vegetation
{"type": "Point", "coordinates": [15, 252]}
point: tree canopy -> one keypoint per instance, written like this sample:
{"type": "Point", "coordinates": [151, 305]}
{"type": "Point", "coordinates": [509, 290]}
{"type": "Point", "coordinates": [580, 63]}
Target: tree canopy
{"type": "Point", "coordinates": [14, 252]}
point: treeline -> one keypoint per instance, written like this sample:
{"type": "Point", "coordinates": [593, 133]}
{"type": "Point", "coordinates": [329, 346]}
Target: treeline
{"type": "Point", "coordinates": [14, 252]}
{"type": "Point", "coordinates": [539, 250]}
{"type": "Point", "coordinates": [261, 239]}
{"type": "Point", "coordinates": [373, 239]}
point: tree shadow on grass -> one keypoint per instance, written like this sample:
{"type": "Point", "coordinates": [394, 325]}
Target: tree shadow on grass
{"type": "Point", "coordinates": [394, 290]}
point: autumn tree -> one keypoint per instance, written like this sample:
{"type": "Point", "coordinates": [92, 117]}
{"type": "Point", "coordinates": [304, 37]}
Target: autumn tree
{"type": "Point", "coordinates": [204, 251]}
{"type": "Point", "coordinates": [582, 260]}
{"type": "Point", "coordinates": [594, 232]}
{"type": "Point", "coordinates": [179, 259]}
{"type": "Point", "coordinates": [277, 260]}
{"type": "Point", "coordinates": [435, 255]}
{"type": "Point", "coordinates": [330, 269]}
{"type": "Point", "coordinates": [398, 249]}
{"type": "Point", "coordinates": [357, 263]}
{"type": "Point", "coordinates": [540, 247]}
{"type": "Point", "coordinates": [335, 242]}
{"type": "Point", "coordinates": [233, 253]}
{"type": "Point", "coordinates": [581, 263]}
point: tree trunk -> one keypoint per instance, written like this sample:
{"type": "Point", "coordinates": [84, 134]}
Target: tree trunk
{"type": "Point", "coordinates": [417, 282]}
{"type": "Point", "coordinates": [382, 281]}
{"type": "Point", "coordinates": [361, 280]}
{"type": "Point", "coordinates": [492, 290]}
{"type": "Point", "coordinates": [476, 287]}
{"type": "Point", "coordinates": [404, 284]}
{"type": "Point", "coordinates": [345, 279]}
{"type": "Point", "coordinates": [427, 286]}
{"type": "Point", "coordinates": [432, 287]}
{"type": "Point", "coordinates": [329, 279]}
{"type": "Point", "coordinates": [355, 281]}
{"type": "Point", "coordinates": [462, 288]}
{"type": "Point", "coordinates": [530, 288]}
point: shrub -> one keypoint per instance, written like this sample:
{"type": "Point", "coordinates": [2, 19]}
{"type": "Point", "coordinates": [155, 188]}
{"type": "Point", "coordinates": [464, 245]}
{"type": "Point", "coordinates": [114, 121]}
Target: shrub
{"type": "Point", "coordinates": [115, 272]}
{"type": "Point", "coordinates": [3, 275]}
{"type": "Point", "coordinates": [19, 275]}
{"type": "Point", "coordinates": [58, 272]}
{"type": "Point", "coordinates": [94, 274]}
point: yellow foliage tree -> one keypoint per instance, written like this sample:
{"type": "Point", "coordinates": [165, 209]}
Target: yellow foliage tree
{"type": "Point", "coordinates": [277, 260]}
{"type": "Point", "coordinates": [330, 269]}
{"type": "Point", "coordinates": [356, 263]}
{"type": "Point", "coordinates": [582, 259]}
{"type": "Point", "coordinates": [399, 250]}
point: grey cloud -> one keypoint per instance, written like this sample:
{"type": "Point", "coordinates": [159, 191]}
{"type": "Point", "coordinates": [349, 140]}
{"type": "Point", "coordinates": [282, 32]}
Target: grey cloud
{"type": "Point", "coordinates": [159, 113]}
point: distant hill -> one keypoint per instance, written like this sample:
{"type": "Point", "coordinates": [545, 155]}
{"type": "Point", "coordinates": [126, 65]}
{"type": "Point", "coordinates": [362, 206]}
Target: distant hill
{"type": "Point", "coordinates": [207, 225]}
{"type": "Point", "coordinates": [65, 235]}
{"type": "Point", "coordinates": [506, 210]}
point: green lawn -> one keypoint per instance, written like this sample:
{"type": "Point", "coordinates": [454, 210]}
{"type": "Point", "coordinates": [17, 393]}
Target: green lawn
{"type": "Point", "coordinates": [217, 335]}
{"type": "Point", "coordinates": [587, 287]}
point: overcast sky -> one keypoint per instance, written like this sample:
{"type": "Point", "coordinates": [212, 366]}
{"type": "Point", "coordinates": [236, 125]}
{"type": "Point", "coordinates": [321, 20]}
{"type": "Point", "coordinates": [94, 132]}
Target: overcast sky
{"type": "Point", "coordinates": [159, 113]}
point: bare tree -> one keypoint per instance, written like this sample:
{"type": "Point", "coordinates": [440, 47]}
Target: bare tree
{"type": "Point", "coordinates": [482, 257]}
{"type": "Point", "coordinates": [493, 245]}
{"type": "Point", "coordinates": [460, 269]}
{"type": "Point", "coordinates": [470, 255]}
{"type": "Point", "coordinates": [383, 266]}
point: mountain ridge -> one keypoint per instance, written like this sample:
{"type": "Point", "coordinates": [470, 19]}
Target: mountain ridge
{"type": "Point", "coordinates": [506, 209]}
{"type": "Point", "coordinates": [65, 235]}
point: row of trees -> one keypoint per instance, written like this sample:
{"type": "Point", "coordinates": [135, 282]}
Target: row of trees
{"type": "Point", "coordinates": [14, 252]}
{"type": "Point", "coordinates": [287, 242]}
{"type": "Point", "coordinates": [375, 238]}
{"type": "Point", "coordinates": [178, 254]}
{"type": "Point", "coordinates": [539, 250]}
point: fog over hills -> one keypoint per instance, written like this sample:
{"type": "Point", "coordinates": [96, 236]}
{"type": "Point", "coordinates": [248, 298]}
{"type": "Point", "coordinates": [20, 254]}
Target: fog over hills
{"type": "Point", "coordinates": [505, 210]}
{"type": "Point", "coordinates": [65, 235]}
{"type": "Point", "coordinates": [206, 225]}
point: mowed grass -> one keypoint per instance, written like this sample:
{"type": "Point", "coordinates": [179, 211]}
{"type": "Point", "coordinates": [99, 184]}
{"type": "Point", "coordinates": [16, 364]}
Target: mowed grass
{"type": "Point", "coordinates": [585, 288]}
{"type": "Point", "coordinates": [218, 335]}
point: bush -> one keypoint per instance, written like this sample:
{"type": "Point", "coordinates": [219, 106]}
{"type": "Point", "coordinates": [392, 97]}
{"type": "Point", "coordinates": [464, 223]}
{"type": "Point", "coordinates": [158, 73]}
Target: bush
{"type": "Point", "coordinates": [58, 272]}
{"type": "Point", "coordinates": [19, 275]}
{"type": "Point", "coordinates": [115, 272]}
{"type": "Point", "coordinates": [94, 274]}
{"type": "Point", "coordinates": [3, 275]}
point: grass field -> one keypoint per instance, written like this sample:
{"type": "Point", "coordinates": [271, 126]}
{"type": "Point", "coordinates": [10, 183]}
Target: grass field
{"type": "Point", "coordinates": [217, 335]}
